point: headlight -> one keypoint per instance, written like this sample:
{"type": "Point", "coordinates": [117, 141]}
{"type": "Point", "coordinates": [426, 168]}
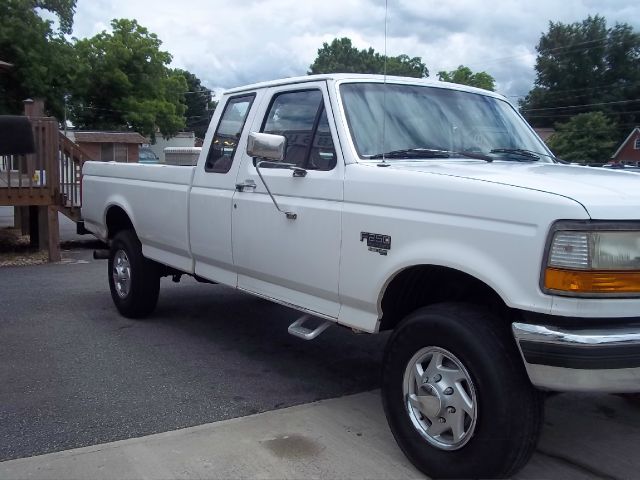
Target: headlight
{"type": "Point", "coordinates": [593, 259]}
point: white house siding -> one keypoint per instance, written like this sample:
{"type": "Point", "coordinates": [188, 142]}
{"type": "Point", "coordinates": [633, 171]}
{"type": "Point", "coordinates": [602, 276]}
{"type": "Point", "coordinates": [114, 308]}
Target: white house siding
{"type": "Point", "coordinates": [182, 139]}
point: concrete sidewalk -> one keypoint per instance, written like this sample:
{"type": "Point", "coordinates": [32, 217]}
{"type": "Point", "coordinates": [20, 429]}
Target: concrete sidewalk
{"type": "Point", "coordinates": [348, 437]}
{"type": "Point", "coordinates": [340, 438]}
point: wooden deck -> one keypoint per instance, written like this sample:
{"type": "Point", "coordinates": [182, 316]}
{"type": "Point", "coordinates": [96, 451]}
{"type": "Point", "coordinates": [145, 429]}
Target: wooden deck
{"type": "Point", "coordinates": [48, 181]}
{"type": "Point", "coordinates": [15, 179]}
{"type": "Point", "coordinates": [32, 179]}
{"type": "Point", "coordinates": [50, 176]}
{"type": "Point", "coordinates": [20, 189]}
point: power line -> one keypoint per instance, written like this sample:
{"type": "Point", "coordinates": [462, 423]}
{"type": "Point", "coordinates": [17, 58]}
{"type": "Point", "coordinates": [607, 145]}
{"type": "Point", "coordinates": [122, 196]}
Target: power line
{"type": "Point", "coordinates": [580, 106]}
{"type": "Point", "coordinates": [573, 115]}
{"type": "Point", "coordinates": [595, 40]}
{"type": "Point", "coordinates": [188, 92]}
{"type": "Point", "coordinates": [595, 87]}
{"type": "Point", "coordinates": [91, 107]}
{"type": "Point", "coordinates": [580, 130]}
{"type": "Point", "coordinates": [549, 50]}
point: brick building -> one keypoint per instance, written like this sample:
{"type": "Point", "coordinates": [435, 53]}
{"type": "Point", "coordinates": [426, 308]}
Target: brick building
{"type": "Point", "coordinates": [544, 133]}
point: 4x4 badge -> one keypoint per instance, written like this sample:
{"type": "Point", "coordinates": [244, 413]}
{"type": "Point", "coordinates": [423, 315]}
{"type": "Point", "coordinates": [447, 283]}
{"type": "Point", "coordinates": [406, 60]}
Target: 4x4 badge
{"type": "Point", "coordinates": [376, 242]}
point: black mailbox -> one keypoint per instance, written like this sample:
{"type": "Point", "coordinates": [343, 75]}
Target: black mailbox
{"type": "Point", "coordinates": [16, 135]}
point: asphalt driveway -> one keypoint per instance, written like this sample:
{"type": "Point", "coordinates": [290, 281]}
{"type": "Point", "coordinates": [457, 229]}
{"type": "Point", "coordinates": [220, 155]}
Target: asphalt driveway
{"type": "Point", "coordinates": [73, 372]}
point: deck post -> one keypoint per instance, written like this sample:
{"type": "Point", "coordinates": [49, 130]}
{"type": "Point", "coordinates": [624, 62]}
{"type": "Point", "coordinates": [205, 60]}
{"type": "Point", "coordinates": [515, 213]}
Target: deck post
{"type": "Point", "coordinates": [44, 229]}
{"type": "Point", "coordinates": [17, 218]}
{"type": "Point", "coordinates": [33, 108]}
{"type": "Point", "coordinates": [34, 226]}
{"type": "Point", "coordinates": [49, 231]}
{"type": "Point", "coordinates": [24, 220]}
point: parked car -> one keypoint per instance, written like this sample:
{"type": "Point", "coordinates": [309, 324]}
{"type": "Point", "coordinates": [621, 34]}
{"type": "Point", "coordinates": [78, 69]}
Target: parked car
{"type": "Point", "coordinates": [627, 167]}
{"type": "Point", "coordinates": [146, 155]}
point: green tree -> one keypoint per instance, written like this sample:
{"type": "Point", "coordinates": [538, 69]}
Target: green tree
{"type": "Point", "coordinates": [124, 83]}
{"type": "Point", "coordinates": [464, 76]}
{"type": "Point", "coordinates": [586, 66]}
{"type": "Point", "coordinates": [587, 137]}
{"type": "Point", "coordinates": [199, 102]}
{"type": "Point", "coordinates": [340, 56]}
{"type": "Point", "coordinates": [42, 59]}
{"type": "Point", "coordinates": [64, 9]}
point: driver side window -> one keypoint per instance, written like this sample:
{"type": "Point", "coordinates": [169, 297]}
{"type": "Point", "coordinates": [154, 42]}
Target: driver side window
{"type": "Point", "coordinates": [302, 119]}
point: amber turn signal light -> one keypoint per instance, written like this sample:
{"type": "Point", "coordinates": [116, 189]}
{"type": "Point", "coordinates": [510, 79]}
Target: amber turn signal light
{"type": "Point", "coordinates": [578, 281]}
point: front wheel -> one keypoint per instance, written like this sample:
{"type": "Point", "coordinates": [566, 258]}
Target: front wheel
{"type": "Point", "coordinates": [134, 281]}
{"type": "Point", "coordinates": [456, 394]}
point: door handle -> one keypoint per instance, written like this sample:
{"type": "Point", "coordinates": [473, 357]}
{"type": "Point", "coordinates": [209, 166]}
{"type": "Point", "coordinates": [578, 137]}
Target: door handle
{"type": "Point", "coordinates": [250, 184]}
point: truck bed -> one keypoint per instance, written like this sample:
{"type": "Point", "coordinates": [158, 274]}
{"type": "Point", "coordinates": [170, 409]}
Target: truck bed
{"type": "Point", "coordinates": [157, 200]}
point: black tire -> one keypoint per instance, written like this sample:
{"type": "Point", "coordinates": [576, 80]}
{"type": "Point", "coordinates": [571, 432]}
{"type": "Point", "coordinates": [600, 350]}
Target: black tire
{"type": "Point", "coordinates": [509, 409]}
{"type": "Point", "coordinates": [141, 297]}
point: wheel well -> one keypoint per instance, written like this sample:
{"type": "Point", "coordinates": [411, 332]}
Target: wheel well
{"type": "Point", "coordinates": [117, 220]}
{"type": "Point", "coordinates": [423, 285]}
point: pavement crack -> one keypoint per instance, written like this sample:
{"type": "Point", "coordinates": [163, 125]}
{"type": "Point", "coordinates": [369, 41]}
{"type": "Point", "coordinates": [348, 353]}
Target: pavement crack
{"type": "Point", "coordinates": [584, 468]}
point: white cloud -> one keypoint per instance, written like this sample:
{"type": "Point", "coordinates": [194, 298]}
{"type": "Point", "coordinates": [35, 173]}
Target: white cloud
{"type": "Point", "coordinates": [227, 44]}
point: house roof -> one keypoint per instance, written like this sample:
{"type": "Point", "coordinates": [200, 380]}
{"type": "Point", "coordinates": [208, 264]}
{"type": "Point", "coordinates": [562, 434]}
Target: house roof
{"type": "Point", "coordinates": [106, 137]}
{"type": "Point", "coordinates": [636, 129]}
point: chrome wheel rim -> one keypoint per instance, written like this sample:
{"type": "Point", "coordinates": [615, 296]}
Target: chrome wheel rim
{"type": "Point", "coordinates": [121, 273]}
{"type": "Point", "coordinates": [440, 398]}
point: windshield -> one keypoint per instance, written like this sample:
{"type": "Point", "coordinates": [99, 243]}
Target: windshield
{"type": "Point", "coordinates": [423, 117]}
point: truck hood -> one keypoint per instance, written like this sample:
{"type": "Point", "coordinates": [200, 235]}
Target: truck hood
{"type": "Point", "coordinates": [605, 194]}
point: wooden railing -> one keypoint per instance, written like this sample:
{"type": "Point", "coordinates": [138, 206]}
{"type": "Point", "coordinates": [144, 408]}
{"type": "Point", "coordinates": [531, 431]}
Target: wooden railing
{"type": "Point", "coordinates": [71, 159]}
{"type": "Point", "coordinates": [33, 179]}
{"type": "Point", "coordinates": [50, 176]}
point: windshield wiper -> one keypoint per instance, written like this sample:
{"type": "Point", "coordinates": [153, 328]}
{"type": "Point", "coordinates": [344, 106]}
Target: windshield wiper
{"type": "Point", "coordinates": [529, 154]}
{"type": "Point", "coordinates": [428, 153]}
{"type": "Point", "coordinates": [533, 156]}
{"type": "Point", "coordinates": [412, 153]}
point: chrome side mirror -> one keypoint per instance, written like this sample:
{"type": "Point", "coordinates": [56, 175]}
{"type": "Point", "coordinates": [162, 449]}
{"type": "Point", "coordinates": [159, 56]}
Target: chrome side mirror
{"type": "Point", "coordinates": [270, 150]}
{"type": "Point", "coordinates": [266, 146]}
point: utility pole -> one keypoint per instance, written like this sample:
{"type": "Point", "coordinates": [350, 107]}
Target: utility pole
{"type": "Point", "coordinates": [66, 96]}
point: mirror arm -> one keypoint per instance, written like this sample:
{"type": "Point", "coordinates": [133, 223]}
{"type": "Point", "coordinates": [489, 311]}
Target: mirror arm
{"type": "Point", "coordinates": [289, 215]}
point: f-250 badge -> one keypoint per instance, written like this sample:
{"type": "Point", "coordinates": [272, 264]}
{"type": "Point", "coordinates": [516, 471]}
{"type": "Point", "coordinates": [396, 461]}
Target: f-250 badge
{"type": "Point", "coordinates": [376, 242]}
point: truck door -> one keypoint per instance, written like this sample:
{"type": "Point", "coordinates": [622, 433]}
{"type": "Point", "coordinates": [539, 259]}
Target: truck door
{"type": "Point", "coordinates": [294, 261]}
{"type": "Point", "coordinates": [213, 188]}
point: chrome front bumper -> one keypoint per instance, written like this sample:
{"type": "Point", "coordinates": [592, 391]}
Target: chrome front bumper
{"type": "Point", "coordinates": [595, 360]}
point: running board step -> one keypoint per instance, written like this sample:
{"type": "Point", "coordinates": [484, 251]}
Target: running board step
{"type": "Point", "coordinates": [297, 328]}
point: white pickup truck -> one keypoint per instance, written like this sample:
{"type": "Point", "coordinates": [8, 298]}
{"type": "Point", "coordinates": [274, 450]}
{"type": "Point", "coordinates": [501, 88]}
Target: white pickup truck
{"type": "Point", "coordinates": [425, 208]}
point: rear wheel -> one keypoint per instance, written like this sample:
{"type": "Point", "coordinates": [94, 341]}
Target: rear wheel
{"type": "Point", "coordinates": [456, 395]}
{"type": "Point", "coordinates": [134, 281]}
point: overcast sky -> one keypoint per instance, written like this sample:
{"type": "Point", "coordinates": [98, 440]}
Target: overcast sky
{"type": "Point", "coordinates": [231, 43]}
